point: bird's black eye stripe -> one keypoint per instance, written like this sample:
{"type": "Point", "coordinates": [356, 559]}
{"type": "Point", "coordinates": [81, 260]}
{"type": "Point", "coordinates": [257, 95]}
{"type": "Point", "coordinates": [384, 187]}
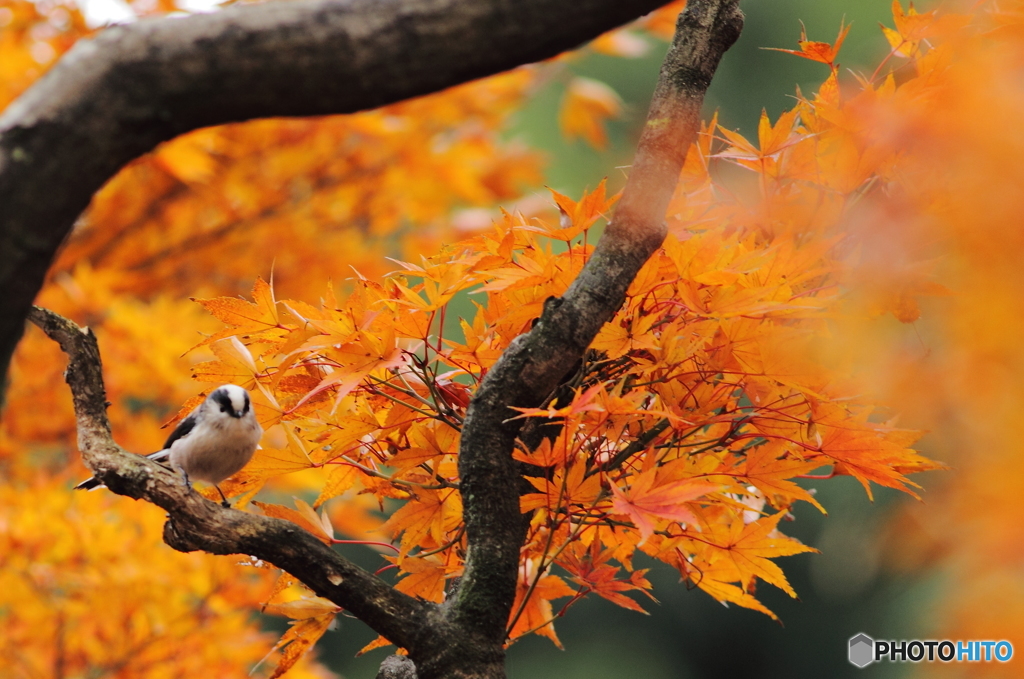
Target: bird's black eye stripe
{"type": "Point", "coordinates": [222, 399]}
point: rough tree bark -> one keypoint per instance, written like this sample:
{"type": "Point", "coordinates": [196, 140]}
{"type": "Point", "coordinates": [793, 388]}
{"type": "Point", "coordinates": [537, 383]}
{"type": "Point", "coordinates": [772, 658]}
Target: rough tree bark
{"type": "Point", "coordinates": [465, 636]}
{"type": "Point", "coordinates": [116, 96]}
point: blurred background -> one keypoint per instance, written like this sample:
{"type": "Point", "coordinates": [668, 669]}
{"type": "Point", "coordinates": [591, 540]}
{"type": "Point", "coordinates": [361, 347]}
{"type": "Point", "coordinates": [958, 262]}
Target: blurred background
{"type": "Point", "coordinates": [209, 212]}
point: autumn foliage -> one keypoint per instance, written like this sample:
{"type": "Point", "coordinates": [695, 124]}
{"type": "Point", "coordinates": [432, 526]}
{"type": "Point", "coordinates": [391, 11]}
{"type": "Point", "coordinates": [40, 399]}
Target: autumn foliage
{"type": "Point", "coordinates": [376, 302]}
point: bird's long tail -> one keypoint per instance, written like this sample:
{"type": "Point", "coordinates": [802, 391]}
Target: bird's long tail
{"type": "Point", "coordinates": [92, 483]}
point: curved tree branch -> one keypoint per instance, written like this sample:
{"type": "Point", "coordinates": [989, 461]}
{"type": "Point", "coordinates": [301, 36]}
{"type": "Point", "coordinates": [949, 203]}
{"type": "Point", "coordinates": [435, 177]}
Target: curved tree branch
{"type": "Point", "coordinates": [464, 637]}
{"type": "Point", "coordinates": [534, 363]}
{"type": "Point", "coordinates": [195, 523]}
{"type": "Point", "coordinates": [116, 96]}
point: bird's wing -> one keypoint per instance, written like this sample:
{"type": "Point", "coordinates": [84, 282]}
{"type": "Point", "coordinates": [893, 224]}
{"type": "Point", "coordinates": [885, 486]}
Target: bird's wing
{"type": "Point", "coordinates": [181, 431]}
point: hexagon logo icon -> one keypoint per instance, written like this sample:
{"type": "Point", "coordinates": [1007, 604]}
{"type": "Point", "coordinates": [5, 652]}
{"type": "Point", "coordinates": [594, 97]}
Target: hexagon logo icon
{"type": "Point", "coordinates": [862, 650]}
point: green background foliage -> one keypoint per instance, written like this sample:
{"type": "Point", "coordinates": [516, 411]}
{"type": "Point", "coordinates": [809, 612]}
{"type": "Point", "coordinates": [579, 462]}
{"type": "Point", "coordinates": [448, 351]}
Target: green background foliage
{"type": "Point", "coordinates": [845, 590]}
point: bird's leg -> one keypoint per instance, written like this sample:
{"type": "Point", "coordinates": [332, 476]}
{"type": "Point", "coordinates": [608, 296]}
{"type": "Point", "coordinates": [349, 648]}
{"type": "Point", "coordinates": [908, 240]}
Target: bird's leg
{"type": "Point", "coordinates": [224, 501]}
{"type": "Point", "coordinates": [184, 474]}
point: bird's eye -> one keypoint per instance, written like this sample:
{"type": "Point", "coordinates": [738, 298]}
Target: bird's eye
{"type": "Point", "coordinates": [223, 409]}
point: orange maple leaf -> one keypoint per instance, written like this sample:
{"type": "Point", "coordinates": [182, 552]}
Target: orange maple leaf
{"type": "Point", "coordinates": [586, 105]}
{"type": "Point", "coordinates": [426, 577]}
{"type": "Point", "coordinates": [256, 320]}
{"type": "Point", "coordinates": [433, 513]}
{"type": "Point", "coordinates": [724, 591]}
{"type": "Point", "coordinates": [646, 503]}
{"type": "Point", "coordinates": [564, 488]}
{"type": "Point", "coordinates": [304, 517]}
{"type": "Point", "coordinates": [768, 469]}
{"type": "Point", "coordinates": [235, 365]}
{"type": "Point", "coordinates": [771, 140]}
{"type": "Point", "coordinates": [299, 639]}
{"type": "Point", "coordinates": [582, 402]}
{"type": "Point", "coordinates": [535, 614]}
{"type": "Point", "coordinates": [749, 548]}
{"type": "Point", "coordinates": [817, 51]}
{"type": "Point", "coordinates": [576, 217]}
{"type": "Point", "coordinates": [589, 568]}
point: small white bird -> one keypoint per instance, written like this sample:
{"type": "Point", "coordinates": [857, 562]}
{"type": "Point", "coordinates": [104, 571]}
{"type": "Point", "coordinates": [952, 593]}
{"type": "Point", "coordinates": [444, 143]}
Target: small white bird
{"type": "Point", "coordinates": [213, 442]}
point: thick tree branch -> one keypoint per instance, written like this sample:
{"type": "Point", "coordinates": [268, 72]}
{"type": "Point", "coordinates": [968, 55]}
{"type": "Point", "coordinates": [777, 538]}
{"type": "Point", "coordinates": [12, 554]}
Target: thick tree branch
{"type": "Point", "coordinates": [534, 363]}
{"type": "Point", "coordinates": [116, 96]}
{"type": "Point", "coordinates": [195, 523]}
{"type": "Point", "coordinates": [464, 637]}
{"type": "Point", "coordinates": [397, 667]}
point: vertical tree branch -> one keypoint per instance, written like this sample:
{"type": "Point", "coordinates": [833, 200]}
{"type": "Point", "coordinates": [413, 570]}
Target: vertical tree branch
{"type": "Point", "coordinates": [465, 636]}
{"type": "Point", "coordinates": [534, 363]}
